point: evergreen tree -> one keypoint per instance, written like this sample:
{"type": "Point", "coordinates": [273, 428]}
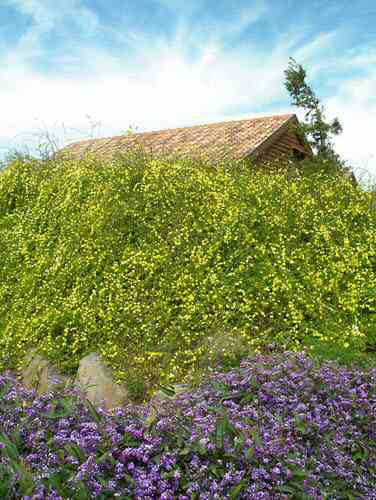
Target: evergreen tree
{"type": "Point", "coordinates": [316, 130]}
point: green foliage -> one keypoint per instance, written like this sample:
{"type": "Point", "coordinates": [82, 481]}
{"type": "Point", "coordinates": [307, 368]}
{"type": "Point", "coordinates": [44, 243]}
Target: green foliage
{"type": "Point", "coordinates": [316, 129]}
{"type": "Point", "coordinates": [143, 260]}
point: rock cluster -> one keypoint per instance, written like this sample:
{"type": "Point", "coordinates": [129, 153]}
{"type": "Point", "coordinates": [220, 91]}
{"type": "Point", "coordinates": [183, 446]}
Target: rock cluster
{"type": "Point", "coordinates": [94, 381]}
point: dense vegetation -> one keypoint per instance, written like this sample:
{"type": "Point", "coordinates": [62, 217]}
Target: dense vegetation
{"type": "Point", "coordinates": [279, 426]}
{"type": "Point", "coordinates": [151, 263]}
{"type": "Point", "coordinates": [172, 271]}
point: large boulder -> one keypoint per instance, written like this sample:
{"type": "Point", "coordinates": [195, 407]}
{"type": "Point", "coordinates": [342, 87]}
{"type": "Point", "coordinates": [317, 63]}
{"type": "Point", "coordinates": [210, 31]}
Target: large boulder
{"type": "Point", "coordinates": [95, 380]}
{"type": "Point", "coordinates": [40, 374]}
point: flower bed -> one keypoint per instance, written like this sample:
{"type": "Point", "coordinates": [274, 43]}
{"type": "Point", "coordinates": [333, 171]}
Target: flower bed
{"type": "Point", "coordinates": [281, 426]}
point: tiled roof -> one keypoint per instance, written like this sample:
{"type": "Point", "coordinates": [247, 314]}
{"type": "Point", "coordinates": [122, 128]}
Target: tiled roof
{"type": "Point", "coordinates": [238, 139]}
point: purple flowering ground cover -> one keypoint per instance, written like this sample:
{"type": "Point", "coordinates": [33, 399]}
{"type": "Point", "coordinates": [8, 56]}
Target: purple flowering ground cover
{"type": "Point", "coordinates": [279, 426]}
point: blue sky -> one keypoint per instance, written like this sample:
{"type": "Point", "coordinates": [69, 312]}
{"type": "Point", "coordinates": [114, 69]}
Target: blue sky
{"type": "Point", "coordinates": [92, 68]}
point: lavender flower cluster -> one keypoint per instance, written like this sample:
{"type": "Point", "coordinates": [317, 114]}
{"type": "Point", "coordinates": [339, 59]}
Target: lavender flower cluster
{"type": "Point", "coordinates": [282, 426]}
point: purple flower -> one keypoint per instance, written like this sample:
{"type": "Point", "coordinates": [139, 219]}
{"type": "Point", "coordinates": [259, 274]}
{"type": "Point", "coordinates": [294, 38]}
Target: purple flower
{"type": "Point", "coordinates": [316, 419]}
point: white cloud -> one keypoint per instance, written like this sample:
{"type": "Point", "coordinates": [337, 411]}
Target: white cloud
{"type": "Point", "coordinates": [161, 85]}
{"type": "Point", "coordinates": [355, 106]}
{"type": "Point", "coordinates": [317, 46]}
{"type": "Point", "coordinates": [166, 89]}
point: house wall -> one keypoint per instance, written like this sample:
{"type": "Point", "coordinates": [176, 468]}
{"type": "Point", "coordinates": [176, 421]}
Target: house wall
{"type": "Point", "coordinates": [283, 146]}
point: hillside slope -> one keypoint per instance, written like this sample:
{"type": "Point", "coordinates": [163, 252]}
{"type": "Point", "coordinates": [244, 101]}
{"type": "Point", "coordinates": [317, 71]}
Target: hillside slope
{"type": "Point", "coordinates": [143, 261]}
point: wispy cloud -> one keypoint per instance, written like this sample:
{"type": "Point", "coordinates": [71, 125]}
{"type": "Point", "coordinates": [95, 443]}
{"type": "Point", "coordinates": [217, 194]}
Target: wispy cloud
{"type": "Point", "coordinates": [47, 16]}
{"type": "Point", "coordinates": [355, 104]}
{"type": "Point", "coordinates": [70, 62]}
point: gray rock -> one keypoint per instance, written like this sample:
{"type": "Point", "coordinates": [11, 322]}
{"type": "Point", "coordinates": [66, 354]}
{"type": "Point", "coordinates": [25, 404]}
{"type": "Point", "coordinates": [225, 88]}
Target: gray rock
{"type": "Point", "coordinates": [95, 380]}
{"type": "Point", "coordinates": [41, 374]}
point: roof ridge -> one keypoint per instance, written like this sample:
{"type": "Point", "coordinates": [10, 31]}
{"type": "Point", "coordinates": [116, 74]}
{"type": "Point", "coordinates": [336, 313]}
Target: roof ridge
{"type": "Point", "coordinates": [238, 137]}
{"type": "Point", "coordinates": [217, 123]}
{"type": "Point", "coordinates": [176, 129]}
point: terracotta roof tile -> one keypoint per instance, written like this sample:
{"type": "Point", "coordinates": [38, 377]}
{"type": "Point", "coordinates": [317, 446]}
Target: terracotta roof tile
{"type": "Point", "coordinates": [237, 138]}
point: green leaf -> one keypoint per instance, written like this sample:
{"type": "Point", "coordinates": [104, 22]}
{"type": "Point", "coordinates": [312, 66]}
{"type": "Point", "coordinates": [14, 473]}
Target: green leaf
{"type": "Point", "coordinates": [218, 472]}
{"type": "Point", "coordinates": [249, 397]}
{"type": "Point", "coordinates": [239, 444]}
{"type": "Point", "coordinates": [130, 479]}
{"type": "Point", "coordinates": [298, 486]}
{"type": "Point", "coordinates": [168, 474]}
{"type": "Point", "coordinates": [220, 432]}
{"type": "Point", "coordinates": [106, 456]}
{"type": "Point", "coordinates": [286, 489]}
{"type": "Point", "coordinates": [26, 481]}
{"type": "Point", "coordinates": [76, 451]}
{"type": "Point", "coordinates": [57, 481]}
{"type": "Point", "coordinates": [83, 492]}
{"type": "Point", "coordinates": [168, 391]}
{"type": "Point", "coordinates": [93, 411]}
{"type": "Point", "coordinates": [4, 389]}
{"type": "Point", "coordinates": [129, 441]}
{"type": "Point", "coordinates": [10, 449]}
{"type": "Point", "coordinates": [235, 395]}
{"type": "Point", "coordinates": [185, 451]}
{"type": "Point", "coordinates": [238, 489]}
{"type": "Point", "coordinates": [151, 417]}
{"type": "Point", "coordinates": [256, 436]}
{"type": "Point", "coordinates": [65, 410]}
{"type": "Point", "coordinates": [301, 426]}
{"type": "Point", "coordinates": [229, 428]}
{"type": "Point", "coordinates": [298, 472]}
{"type": "Point", "coordinates": [6, 482]}
{"type": "Point", "coordinates": [16, 438]}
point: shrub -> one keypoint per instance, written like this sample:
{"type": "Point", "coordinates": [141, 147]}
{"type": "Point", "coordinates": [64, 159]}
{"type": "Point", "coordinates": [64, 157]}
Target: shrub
{"type": "Point", "coordinates": [141, 260]}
